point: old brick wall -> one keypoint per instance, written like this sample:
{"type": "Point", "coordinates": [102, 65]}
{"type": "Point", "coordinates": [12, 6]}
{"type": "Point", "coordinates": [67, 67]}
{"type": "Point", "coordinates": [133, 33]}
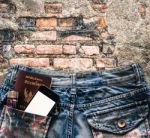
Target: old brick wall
{"type": "Point", "coordinates": [75, 35]}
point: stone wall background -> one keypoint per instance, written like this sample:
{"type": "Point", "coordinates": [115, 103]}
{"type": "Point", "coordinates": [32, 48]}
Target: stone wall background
{"type": "Point", "coordinates": [75, 35]}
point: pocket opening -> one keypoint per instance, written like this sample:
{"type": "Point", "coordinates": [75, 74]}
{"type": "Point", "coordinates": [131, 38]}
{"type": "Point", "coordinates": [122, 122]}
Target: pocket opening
{"type": "Point", "coordinates": [10, 123]}
{"type": "Point", "coordinates": [108, 121]}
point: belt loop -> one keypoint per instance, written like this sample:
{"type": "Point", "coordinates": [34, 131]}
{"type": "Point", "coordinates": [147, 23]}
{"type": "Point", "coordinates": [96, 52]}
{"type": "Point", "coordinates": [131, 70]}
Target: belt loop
{"type": "Point", "coordinates": [137, 72]}
{"type": "Point", "coordinates": [15, 69]}
{"type": "Point", "coordinates": [73, 89]}
{"type": "Point", "coordinates": [73, 80]}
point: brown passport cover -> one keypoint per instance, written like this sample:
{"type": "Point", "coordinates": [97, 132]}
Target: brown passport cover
{"type": "Point", "coordinates": [27, 84]}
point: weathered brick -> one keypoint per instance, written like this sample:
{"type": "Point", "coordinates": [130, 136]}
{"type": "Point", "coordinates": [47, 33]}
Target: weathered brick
{"type": "Point", "coordinates": [49, 49]}
{"type": "Point", "coordinates": [69, 49]}
{"type": "Point", "coordinates": [100, 7]}
{"type": "Point", "coordinates": [142, 10]}
{"type": "Point", "coordinates": [66, 22]}
{"type": "Point", "coordinates": [102, 22]}
{"type": "Point", "coordinates": [53, 7]}
{"type": "Point", "coordinates": [73, 63]}
{"type": "Point", "coordinates": [4, 65]}
{"type": "Point", "coordinates": [26, 22]}
{"type": "Point", "coordinates": [33, 62]}
{"type": "Point", "coordinates": [105, 62]}
{"type": "Point", "coordinates": [24, 49]}
{"type": "Point", "coordinates": [77, 38]}
{"type": "Point", "coordinates": [46, 22]}
{"type": "Point", "coordinates": [7, 35]}
{"type": "Point", "coordinates": [104, 35]}
{"type": "Point", "coordinates": [90, 50]}
{"type": "Point", "coordinates": [44, 35]}
{"type": "Point", "coordinates": [4, 7]}
{"type": "Point", "coordinates": [108, 49]}
{"type": "Point", "coordinates": [7, 8]}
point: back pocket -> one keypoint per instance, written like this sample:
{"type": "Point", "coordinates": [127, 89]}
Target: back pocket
{"type": "Point", "coordinates": [18, 124]}
{"type": "Point", "coordinates": [118, 120]}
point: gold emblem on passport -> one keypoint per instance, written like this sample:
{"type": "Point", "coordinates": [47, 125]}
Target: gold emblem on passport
{"type": "Point", "coordinates": [27, 95]}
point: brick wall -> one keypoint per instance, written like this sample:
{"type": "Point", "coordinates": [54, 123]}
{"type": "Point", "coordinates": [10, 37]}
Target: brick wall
{"type": "Point", "coordinates": [74, 35]}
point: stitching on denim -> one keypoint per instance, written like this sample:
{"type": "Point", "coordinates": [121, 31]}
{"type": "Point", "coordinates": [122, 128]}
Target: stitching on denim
{"type": "Point", "coordinates": [15, 68]}
{"type": "Point", "coordinates": [132, 93]}
{"type": "Point", "coordinates": [69, 124]}
{"type": "Point", "coordinates": [115, 70]}
{"type": "Point", "coordinates": [4, 95]}
{"type": "Point", "coordinates": [141, 72]}
{"type": "Point", "coordinates": [119, 108]}
{"type": "Point", "coordinates": [121, 79]}
{"type": "Point", "coordinates": [146, 124]}
{"type": "Point", "coordinates": [120, 96]}
{"type": "Point", "coordinates": [136, 70]}
{"type": "Point", "coordinates": [23, 67]}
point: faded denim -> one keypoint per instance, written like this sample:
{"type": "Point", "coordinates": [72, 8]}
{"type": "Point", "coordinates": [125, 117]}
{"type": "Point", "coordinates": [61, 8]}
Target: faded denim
{"type": "Point", "coordinates": [91, 105]}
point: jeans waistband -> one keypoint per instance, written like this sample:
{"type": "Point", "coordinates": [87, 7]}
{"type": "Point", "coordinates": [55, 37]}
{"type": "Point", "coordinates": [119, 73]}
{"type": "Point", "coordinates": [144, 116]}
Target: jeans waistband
{"type": "Point", "coordinates": [126, 81]}
{"type": "Point", "coordinates": [131, 73]}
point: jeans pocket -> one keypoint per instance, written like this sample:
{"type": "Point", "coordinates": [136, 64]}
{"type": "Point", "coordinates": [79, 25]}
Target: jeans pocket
{"type": "Point", "coordinates": [18, 124]}
{"type": "Point", "coordinates": [120, 121]}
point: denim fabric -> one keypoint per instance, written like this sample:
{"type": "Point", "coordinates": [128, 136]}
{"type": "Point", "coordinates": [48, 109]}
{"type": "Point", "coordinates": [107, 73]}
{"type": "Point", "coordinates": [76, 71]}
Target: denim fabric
{"type": "Point", "coordinates": [92, 103]}
{"type": "Point", "coordinates": [15, 123]}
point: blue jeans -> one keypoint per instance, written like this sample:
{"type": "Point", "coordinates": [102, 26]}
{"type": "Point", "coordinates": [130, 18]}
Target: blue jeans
{"type": "Point", "coordinates": [94, 104]}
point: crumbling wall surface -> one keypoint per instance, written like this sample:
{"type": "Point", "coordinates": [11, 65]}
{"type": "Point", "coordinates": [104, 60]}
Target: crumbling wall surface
{"type": "Point", "coordinates": [75, 34]}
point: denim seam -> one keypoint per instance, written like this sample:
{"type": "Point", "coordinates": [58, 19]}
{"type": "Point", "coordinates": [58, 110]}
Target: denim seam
{"type": "Point", "coordinates": [146, 124]}
{"type": "Point", "coordinates": [117, 108]}
{"type": "Point", "coordinates": [2, 116]}
{"type": "Point", "coordinates": [23, 67]}
{"type": "Point", "coordinates": [3, 95]}
{"type": "Point", "coordinates": [120, 79]}
{"type": "Point", "coordinates": [78, 106]}
{"type": "Point", "coordinates": [15, 68]}
{"type": "Point", "coordinates": [141, 72]}
{"type": "Point", "coordinates": [69, 126]}
{"type": "Point", "coordinates": [132, 93]}
{"type": "Point", "coordinates": [115, 70]}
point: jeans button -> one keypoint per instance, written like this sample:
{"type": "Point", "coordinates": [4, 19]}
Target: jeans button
{"type": "Point", "coordinates": [121, 123]}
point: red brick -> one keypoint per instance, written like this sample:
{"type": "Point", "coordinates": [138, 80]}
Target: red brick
{"type": "Point", "coordinates": [73, 63]}
{"type": "Point", "coordinates": [77, 38]}
{"type": "Point", "coordinates": [90, 50]}
{"type": "Point", "coordinates": [66, 22]}
{"type": "Point", "coordinates": [44, 35]}
{"type": "Point", "coordinates": [104, 62]}
{"type": "Point", "coordinates": [69, 49]}
{"type": "Point", "coordinates": [53, 7]}
{"type": "Point", "coordinates": [105, 35]}
{"type": "Point", "coordinates": [33, 62]}
{"type": "Point", "coordinates": [4, 65]}
{"type": "Point", "coordinates": [102, 22]}
{"type": "Point", "coordinates": [24, 48]}
{"type": "Point", "coordinates": [46, 22]}
{"type": "Point", "coordinates": [49, 49]}
{"type": "Point", "coordinates": [100, 7]}
{"type": "Point", "coordinates": [4, 7]}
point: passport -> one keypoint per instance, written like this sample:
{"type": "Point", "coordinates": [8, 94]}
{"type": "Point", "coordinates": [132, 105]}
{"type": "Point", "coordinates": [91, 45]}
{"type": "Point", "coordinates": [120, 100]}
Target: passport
{"type": "Point", "coordinates": [27, 84]}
